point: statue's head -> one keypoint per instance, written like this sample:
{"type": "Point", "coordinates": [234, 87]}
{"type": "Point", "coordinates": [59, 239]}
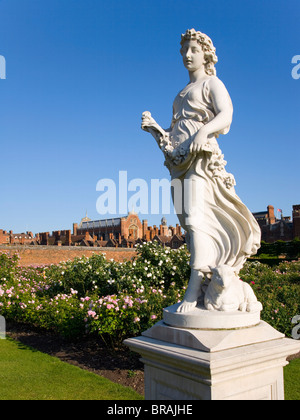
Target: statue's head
{"type": "Point", "coordinates": [207, 46]}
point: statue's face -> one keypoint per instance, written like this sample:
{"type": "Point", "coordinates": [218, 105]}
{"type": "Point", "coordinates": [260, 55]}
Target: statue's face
{"type": "Point", "coordinates": [192, 55]}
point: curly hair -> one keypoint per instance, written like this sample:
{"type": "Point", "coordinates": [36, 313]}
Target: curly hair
{"type": "Point", "coordinates": [207, 47]}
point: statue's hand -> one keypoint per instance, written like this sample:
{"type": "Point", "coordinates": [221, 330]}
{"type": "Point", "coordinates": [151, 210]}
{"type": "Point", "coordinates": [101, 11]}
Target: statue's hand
{"type": "Point", "coordinates": [199, 142]}
{"type": "Point", "coordinates": [149, 124]}
{"type": "Point", "coordinates": [148, 121]}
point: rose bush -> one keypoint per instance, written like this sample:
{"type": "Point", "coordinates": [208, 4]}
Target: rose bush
{"type": "Point", "coordinates": [118, 300]}
{"type": "Point", "coordinates": [278, 289]}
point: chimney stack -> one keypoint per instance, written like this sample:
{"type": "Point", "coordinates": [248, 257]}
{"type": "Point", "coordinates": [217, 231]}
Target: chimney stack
{"type": "Point", "coordinates": [271, 215]}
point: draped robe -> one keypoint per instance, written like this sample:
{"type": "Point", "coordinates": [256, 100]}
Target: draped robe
{"type": "Point", "coordinates": [220, 228]}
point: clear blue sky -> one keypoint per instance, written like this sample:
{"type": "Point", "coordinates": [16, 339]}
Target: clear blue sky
{"type": "Point", "coordinates": [81, 72]}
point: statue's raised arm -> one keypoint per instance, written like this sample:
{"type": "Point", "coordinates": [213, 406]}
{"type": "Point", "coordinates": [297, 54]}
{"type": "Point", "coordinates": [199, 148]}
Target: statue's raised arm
{"type": "Point", "coordinates": [161, 136]}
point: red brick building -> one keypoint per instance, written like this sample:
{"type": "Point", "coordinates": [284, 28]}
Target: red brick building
{"type": "Point", "coordinates": [296, 221]}
{"type": "Point", "coordinates": [117, 228]}
{"type": "Point", "coordinates": [274, 229]}
{"type": "Point", "coordinates": [123, 232]}
{"type": "Point", "coordinates": [126, 231]}
{"type": "Point", "coordinates": [10, 238]}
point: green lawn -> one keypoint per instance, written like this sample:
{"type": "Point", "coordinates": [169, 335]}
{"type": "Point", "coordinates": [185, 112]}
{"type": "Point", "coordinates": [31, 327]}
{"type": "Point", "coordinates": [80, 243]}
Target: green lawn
{"type": "Point", "coordinates": [26, 374]}
{"type": "Point", "coordinates": [292, 380]}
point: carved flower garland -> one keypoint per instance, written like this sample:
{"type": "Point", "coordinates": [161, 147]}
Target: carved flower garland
{"type": "Point", "coordinates": [216, 164]}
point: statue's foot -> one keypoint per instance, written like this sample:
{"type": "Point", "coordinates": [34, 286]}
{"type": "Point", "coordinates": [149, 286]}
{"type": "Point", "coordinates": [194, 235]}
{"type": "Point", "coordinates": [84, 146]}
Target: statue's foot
{"type": "Point", "coordinates": [186, 306]}
{"type": "Point", "coordinates": [192, 293]}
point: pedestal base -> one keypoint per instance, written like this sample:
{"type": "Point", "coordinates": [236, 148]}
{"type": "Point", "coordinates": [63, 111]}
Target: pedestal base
{"type": "Point", "coordinates": [183, 364]}
{"type": "Point", "coordinates": [201, 318]}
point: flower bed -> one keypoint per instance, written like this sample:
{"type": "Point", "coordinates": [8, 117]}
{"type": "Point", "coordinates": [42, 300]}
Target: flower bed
{"type": "Point", "coordinates": [119, 300]}
{"type": "Point", "coordinates": [278, 289]}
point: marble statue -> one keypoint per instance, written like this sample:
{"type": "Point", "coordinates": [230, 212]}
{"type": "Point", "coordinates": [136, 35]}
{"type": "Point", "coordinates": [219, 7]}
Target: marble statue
{"type": "Point", "coordinates": [221, 232]}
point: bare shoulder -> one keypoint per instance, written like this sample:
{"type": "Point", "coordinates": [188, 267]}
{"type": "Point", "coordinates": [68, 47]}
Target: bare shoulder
{"type": "Point", "coordinates": [215, 84]}
{"type": "Point", "coordinates": [219, 94]}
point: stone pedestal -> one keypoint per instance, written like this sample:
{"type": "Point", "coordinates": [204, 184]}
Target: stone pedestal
{"type": "Point", "coordinates": [236, 364]}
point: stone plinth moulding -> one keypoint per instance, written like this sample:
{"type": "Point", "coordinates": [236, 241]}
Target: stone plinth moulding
{"type": "Point", "coordinates": [187, 364]}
